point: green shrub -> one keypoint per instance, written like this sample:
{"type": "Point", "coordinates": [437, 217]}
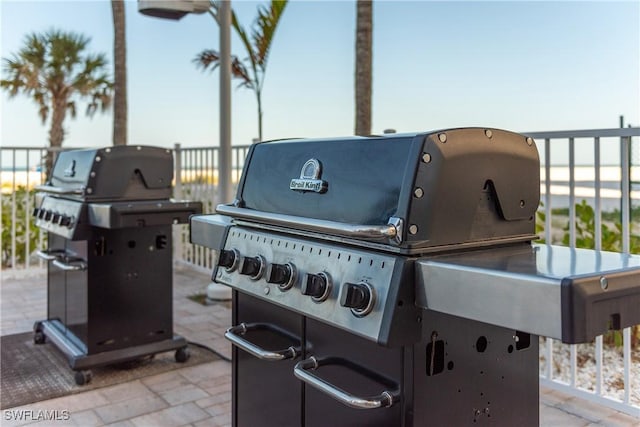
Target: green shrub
{"type": "Point", "coordinates": [23, 219]}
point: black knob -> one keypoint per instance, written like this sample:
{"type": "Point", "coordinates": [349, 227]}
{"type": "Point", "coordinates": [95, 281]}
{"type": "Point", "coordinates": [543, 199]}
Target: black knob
{"type": "Point", "coordinates": [65, 221]}
{"type": "Point", "coordinates": [252, 267]}
{"type": "Point", "coordinates": [55, 218]}
{"type": "Point", "coordinates": [317, 286]}
{"type": "Point", "coordinates": [48, 215]}
{"type": "Point", "coordinates": [42, 213]}
{"type": "Point", "coordinates": [282, 275]}
{"type": "Point", "coordinates": [36, 212]}
{"type": "Point", "coordinates": [358, 297]}
{"type": "Point", "coordinates": [229, 259]}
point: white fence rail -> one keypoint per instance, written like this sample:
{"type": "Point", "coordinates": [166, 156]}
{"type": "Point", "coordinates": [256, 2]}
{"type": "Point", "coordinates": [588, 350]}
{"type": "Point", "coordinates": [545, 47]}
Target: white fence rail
{"type": "Point", "coordinates": [605, 185]}
{"type": "Point", "coordinates": [600, 166]}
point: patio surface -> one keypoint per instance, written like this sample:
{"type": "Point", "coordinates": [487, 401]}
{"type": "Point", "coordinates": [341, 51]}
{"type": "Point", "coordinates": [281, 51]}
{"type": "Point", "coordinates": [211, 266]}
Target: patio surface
{"type": "Point", "coordinates": [198, 395]}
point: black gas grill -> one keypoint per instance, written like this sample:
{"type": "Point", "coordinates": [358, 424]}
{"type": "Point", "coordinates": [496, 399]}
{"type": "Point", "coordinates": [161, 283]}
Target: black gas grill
{"type": "Point", "coordinates": [392, 281]}
{"type": "Point", "coordinates": [108, 215]}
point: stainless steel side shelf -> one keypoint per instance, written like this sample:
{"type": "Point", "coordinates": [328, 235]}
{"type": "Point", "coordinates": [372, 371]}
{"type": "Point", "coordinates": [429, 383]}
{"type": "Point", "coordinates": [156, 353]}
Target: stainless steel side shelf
{"type": "Point", "coordinates": [553, 291]}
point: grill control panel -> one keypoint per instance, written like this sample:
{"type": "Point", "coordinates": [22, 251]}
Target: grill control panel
{"type": "Point", "coordinates": [342, 286]}
{"type": "Point", "coordinates": [59, 216]}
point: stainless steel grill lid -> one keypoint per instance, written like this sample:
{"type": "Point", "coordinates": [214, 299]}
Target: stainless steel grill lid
{"type": "Point", "coordinates": [113, 173]}
{"type": "Point", "coordinates": [461, 186]}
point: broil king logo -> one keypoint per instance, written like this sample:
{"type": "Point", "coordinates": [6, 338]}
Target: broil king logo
{"type": "Point", "coordinates": [309, 178]}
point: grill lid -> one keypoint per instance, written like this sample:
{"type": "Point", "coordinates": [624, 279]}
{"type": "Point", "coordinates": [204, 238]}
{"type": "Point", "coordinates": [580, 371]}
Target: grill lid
{"type": "Point", "coordinates": [112, 173]}
{"type": "Point", "coordinates": [451, 187]}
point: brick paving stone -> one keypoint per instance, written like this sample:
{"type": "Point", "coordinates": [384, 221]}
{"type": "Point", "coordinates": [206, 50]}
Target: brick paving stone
{"type": "Point", "coordinates": [591, 413]}
{"type": "Point", "coordinates": [219, 409]}
{"type": "Point", "coordinates": [554, 417]}
{"type": "Point", "coordinates": [86, 419]}
{"type": "Point", "coordinates": [120, 392]}
{"type": "Point", "coordinates": [130, 408]}
{"type": "Point", "coordinates": [173, 416]}
{"type": "Point", "coordinates": [621, 420]}
{"type": "Point", "coordinates": [221, 388]}
{"type": "Point", "coordinates": [206, 371]}
{"type": "Point", "coordinates": [207, 422]}
{"type": "Point", "coordinates": [183, 394]}
{"type": "Point", "coordinates": [125, 423]}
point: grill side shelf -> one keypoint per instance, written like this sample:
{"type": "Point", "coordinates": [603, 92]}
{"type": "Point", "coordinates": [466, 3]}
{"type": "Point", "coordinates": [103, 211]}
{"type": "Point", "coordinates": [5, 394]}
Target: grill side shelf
{"type": "Point", "coordinates": [140, 214]}
{"type": "Point", "coordinates": [558, 292]}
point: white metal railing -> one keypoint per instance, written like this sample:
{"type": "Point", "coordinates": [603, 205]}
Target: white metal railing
{"type": "Point", "coordinates": [556, 372]}
{"type": "Point", "coordinates": [567, 176]}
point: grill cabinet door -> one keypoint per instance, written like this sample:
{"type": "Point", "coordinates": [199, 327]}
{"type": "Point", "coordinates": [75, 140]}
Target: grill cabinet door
{"type": "Point", "coordinates": [265, 393]}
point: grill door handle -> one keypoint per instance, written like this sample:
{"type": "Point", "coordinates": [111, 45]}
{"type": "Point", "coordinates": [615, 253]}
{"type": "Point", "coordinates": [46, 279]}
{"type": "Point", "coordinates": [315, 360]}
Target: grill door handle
{"type": "Point", "coordinates": [234, 333]}
{"type": "Point", "coordinates": [57, 190]}
{"type": "Point", "coordinates": [393, 230]}
{"type": "Point", "coordinates": [70, 266]}
{"type": "Point", "coordinates": [50, 255]}
{"type": "Point", "coordinates": [302, 372]}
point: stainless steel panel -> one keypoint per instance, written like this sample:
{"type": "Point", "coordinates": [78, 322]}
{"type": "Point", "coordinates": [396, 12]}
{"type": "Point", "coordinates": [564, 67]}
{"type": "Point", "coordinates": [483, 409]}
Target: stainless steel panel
{"type": "Point", "coordinates": [209, 231]}
{"type": "Point", "coordinates": [342, 265]}
{"type": "Point", "coordinates": [516, 287]}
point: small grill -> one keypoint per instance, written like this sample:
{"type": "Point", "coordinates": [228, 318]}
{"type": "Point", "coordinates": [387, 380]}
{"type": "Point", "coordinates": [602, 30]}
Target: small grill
{"type": "Point", "coordinates": [392, 281]}
{"type": "Point", "coordinates": [108, 215]}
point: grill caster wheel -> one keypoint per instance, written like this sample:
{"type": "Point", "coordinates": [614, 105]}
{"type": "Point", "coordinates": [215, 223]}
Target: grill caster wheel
{"type": "Point", "coordinates": [82, 377]}
{"type": "Point", "coordinates": [39, 338]}
{"type": "Point", "coordinates": [182, 355]}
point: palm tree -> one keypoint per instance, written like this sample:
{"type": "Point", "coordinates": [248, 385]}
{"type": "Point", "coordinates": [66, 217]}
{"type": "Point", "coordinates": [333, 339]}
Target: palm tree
{"type": "Point", "coordinates": [55, 71]}
{"type": "Point", "coordinates": [250, 71]}
{"type": "Point", "coordinates": [364, 36]}
{"type": "Point", "coordinates": [120, 74]}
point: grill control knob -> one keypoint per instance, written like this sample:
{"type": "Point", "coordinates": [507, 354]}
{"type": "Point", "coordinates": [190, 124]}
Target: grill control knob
{"type": "Point", "coordinates": [36, 212]}
{"type": "Point", "coordinates": [65, 221]}
{"type": "Point", "coordinates": [229, 259]}
{"type": "Point", "coordinates": [317, 286]}
{"type": "Point", "coordinates": [283, 275]}
{"type": "Point", "coordinates": [252, 267]}
{"type": "Point", "coordinates": [359, 297]}
{"type": "Point", "coordinates": [48, 215]}
{"type": "Point", "coordinates": [41, 213]}
{"type": "Point", "coordinates": [55, 218]}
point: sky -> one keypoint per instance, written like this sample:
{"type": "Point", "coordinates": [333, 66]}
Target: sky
{"type": "Point", "coordinates": [521, 66]}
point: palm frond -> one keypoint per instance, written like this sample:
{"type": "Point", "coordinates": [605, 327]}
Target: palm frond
{"type": "Point", "coordinates": [264, 29]}
{"type": "Point", "coordinates": [210, 59]}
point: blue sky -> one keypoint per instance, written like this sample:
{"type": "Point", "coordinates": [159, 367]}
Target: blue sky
{"type": "Point", "coordinates": [522, 66]}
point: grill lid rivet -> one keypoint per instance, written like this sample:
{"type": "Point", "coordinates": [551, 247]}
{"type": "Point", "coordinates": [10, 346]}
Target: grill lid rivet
{"type": "Point", "coordinates": [418, 192]}
{"type": "Point", "coordinates": [107, 150]}
{"type": "Point", "coordinates": [138, 148]}
{"type": "Point", "coordinates": [604, 283]}
{"type": "Point", "coordinates": [98, 159]}
{"type": "Point", "coordinates": [266, 291]}
{"type": "Point", "coordinates": [426, 157]}
{"type": "Point", "coordinates": [93, 174]}
{"type": "Point", "coordinates": [529, 141]}
{"type": "Point", "coordinates": [442, 137]}
{"type": "Point", "coordinates": [89, 190]}
{"type": "Point", "coordinates": [413, 229]}
{"type": "Point", "coordinates": [488, 133]}
{"type": "Point", "coordinates": [522, 203]}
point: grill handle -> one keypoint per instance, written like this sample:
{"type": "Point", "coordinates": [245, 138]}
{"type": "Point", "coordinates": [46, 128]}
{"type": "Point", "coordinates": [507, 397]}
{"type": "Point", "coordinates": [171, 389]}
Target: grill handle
{"type": "Point", "coordinates": [57, 190]}
{"type": "Point", "coordinates": [50, 255]}
{"type": "Point", "coordinates": [234, 333]}
{"type": "Point", "coordinates": [73, 265]}
{"type": "Point", "coordinates": [302, 372]}
{"type": "Point", "coordinates": [393, 230]}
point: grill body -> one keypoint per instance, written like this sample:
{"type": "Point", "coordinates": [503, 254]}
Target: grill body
{"type": "Point", "coordinates": [391, 281]}
{"type": "Point", "coordinates": [109, 256]}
